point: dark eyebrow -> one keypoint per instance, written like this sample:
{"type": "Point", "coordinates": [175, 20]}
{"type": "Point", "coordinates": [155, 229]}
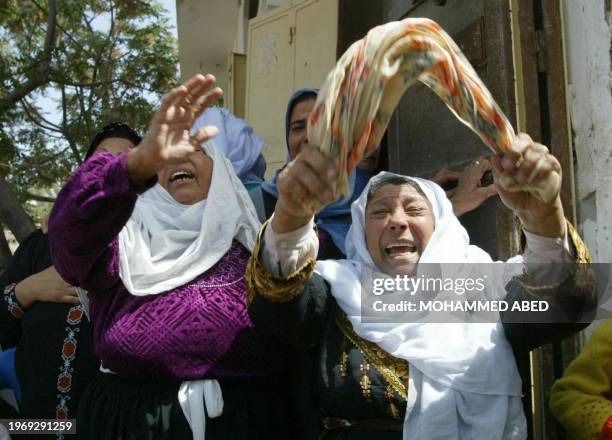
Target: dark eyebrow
{"type": "Point", "coordinates": [375, 202]}
{"type": "Point", "coordinates": [298, 121]}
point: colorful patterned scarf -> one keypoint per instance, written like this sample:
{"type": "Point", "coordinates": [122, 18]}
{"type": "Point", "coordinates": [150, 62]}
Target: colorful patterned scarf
{"type": "Point", "coordinates": [359, 95]}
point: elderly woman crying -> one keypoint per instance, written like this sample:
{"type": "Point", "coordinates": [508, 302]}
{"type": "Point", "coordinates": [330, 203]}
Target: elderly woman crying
{"type": "Point", "coordinates": [411, 380]}
{"type": "Point", "coordinates": [160, 237]}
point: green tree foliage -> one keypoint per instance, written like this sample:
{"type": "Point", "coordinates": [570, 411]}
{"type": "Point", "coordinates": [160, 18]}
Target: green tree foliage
{"type": "Point", "coordinates": [91, 62]}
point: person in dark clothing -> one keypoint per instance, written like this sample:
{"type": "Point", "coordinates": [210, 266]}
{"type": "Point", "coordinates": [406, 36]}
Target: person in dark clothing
{"type": "Point", "coordinates": [41, 315]}
{"type": "Point", "coordinates": [165, 285]}
{"type": "Point", "coordinates": [333, 222]}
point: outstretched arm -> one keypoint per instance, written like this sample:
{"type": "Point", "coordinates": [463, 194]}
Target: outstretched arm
{"type": "Point", "coordinates": [99, 198]}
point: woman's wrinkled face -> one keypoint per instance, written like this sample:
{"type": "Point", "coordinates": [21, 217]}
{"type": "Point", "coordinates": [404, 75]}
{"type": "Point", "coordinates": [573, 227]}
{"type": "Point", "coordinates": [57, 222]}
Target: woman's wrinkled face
{"type": "Point", "coordinates": [188, 182]}
{"type": "Point", "coordinates": [399, 222]}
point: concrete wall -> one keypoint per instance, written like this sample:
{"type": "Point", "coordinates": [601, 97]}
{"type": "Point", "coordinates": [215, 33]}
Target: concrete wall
{"type": "Point", "coordinates": [206, 39]}
{"type": "Point", "coordinates": [588, 34]}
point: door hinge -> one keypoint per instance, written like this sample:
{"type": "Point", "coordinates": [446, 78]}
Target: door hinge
{"type": "Point", "coordinates": [291, 34]}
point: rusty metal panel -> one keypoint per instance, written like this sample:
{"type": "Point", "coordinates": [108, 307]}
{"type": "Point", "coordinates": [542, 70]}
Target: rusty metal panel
{"type": "Point", "coordinates": [500, 81]}
{"type": "Point", "coordinates": [548, 122]}
{"type": "Point", "coordinates": [531, 90]}
{"type": "Point", "coordinates": [471, 42]}
{"type": "Point", "coordinates": [556, 82]}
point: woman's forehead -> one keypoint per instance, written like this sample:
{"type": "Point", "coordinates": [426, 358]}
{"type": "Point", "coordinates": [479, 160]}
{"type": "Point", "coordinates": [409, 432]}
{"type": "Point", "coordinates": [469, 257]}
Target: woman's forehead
{"type": "Point", "coordinates": [114, 141]}
{"type": "Point", "coordinates": [393, 193]}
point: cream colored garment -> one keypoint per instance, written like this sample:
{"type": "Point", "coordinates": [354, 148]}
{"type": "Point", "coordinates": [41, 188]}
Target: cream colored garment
{"type": "Point", "coordinates": [359, 95]}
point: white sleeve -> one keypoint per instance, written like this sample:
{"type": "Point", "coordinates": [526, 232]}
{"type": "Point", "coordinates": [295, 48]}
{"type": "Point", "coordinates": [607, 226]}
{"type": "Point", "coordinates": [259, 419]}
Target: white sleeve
{"type": "Point", "coordinates": [540, 250]}
{"type": "Point", "coordinates": [547, 249]}
{"type": "Point", "coordinates": [283, 254]}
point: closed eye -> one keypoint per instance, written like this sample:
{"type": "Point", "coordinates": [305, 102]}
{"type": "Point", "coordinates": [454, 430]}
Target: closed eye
{"type": "Point", "coordinates": [414, 209]}
{"type": "Point", "coordinates": [379, 213]}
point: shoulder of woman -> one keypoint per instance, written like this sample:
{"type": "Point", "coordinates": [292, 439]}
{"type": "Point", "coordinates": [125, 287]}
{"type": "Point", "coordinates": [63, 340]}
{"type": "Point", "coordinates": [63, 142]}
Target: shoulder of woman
{"type": "Point", "coordinates": [317, 282]}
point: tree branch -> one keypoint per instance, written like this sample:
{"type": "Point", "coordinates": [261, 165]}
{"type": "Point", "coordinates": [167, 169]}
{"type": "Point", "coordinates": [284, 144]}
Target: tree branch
{"type": "Point", "coordinates": [61, 28]}
{"type": "Point", "coordinates": [43, 65]}
{"type": "Point", "coordinates": [66, 83]}
{"type": "Point", "coordinates": [39, 198]}
{"type": "Point", "coordinates": [34, 115]}
{"type": "Point", "coordinates": [12, 213]}
{"type": "Point", "coordinates": [71, 142]}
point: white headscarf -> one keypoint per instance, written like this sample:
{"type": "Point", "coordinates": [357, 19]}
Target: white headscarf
{"type": "Point", "coordinates": [166, 244]}
{"type": "Point", "coordinates": [464, 383]}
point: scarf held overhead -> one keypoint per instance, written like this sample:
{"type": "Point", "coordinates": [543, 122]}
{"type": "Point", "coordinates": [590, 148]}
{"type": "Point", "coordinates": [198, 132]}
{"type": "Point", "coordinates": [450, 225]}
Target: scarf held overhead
{"type": "Point", "coordinates": [359, 95]}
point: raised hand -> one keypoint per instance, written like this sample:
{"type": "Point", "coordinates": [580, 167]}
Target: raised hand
{"type": "Point", "coordinates": [529, 163]}
{"type": "Point", "coordinates": [469, 194]}
{"type": "Point", "coordinates": [167, 140]}
{"type": "Point", "coordinates": [305, 186]}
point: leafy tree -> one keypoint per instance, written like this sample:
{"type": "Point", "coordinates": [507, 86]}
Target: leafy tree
{"type": "Point", "coordinates": [90, 62]}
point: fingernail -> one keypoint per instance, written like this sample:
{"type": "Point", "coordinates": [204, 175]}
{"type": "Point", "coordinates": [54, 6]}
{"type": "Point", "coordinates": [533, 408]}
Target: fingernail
{"type": "Point", "coordinates": [332, 172]}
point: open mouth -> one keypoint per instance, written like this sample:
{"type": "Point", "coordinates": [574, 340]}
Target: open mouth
{"type": "Point", "coordinates": [400, 248]}
{"type": "Point", "coordinates": [181, 176]}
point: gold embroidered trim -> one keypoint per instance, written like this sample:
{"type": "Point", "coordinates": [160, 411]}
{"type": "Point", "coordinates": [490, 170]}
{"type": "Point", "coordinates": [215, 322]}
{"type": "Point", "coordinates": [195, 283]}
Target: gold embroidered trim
{"type": "Point", "coordinates": [392, 369]}
{"type": "Point", "coordinates": [274, 289]}
{"type": "Point", "coordinates": [582, 273]}
{"type": "Point", "coordinates": [582, 251]}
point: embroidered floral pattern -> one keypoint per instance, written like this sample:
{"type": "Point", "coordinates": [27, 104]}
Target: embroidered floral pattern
{"type": "Point", "coordinates": [11, 300]}
{"type": "Point", "coordinates": [69, 350]}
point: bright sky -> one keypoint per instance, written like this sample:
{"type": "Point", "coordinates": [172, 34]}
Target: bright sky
{"type": "Point", "coordinates": [170, 6]}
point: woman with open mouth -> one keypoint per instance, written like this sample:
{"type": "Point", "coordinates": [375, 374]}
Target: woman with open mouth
{"type": "Point", "coordinates": [410, 380]}
{"type": "Point", "coordinates": [160, 237]}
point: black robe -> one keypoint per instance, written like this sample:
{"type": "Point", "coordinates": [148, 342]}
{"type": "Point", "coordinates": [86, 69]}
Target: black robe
{"type": "Point", "coordinates": [53, 360]}
{"type": "Point", "coordinates": [341, 378]}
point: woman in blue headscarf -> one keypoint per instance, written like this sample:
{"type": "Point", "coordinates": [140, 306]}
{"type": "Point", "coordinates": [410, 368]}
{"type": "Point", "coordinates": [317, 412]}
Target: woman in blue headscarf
{"type": "Point", "coordinates": [334, 221]}
{"type": "Point", "coordinates": [239, 143]}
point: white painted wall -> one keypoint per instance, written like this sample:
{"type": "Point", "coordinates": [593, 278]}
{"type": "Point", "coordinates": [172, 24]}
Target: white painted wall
{"type": "Point", "coordinates": [588, 34]}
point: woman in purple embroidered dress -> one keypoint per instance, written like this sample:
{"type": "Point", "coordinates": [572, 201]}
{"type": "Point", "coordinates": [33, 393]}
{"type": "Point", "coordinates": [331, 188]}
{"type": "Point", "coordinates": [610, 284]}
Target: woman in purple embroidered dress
{"type": "Point", "coordinates": [164, 268]}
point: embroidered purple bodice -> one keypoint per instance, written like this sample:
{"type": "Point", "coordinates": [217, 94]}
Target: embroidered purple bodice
{"type": "Point", "coordinates": [199, 330]}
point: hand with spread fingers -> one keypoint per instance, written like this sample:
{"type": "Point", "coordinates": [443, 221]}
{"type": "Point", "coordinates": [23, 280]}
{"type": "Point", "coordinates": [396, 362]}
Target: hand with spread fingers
{"type": "Point", "coordinates": [444, 177]}
{"type": "Point", "coordinates": [530, 164]}
{"type": "Point", "coordinates": [305, 186]}
{"type": "Point", "coordinates": [168, 140]}
{"type": "Point", "coordinates": [469, 194]}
